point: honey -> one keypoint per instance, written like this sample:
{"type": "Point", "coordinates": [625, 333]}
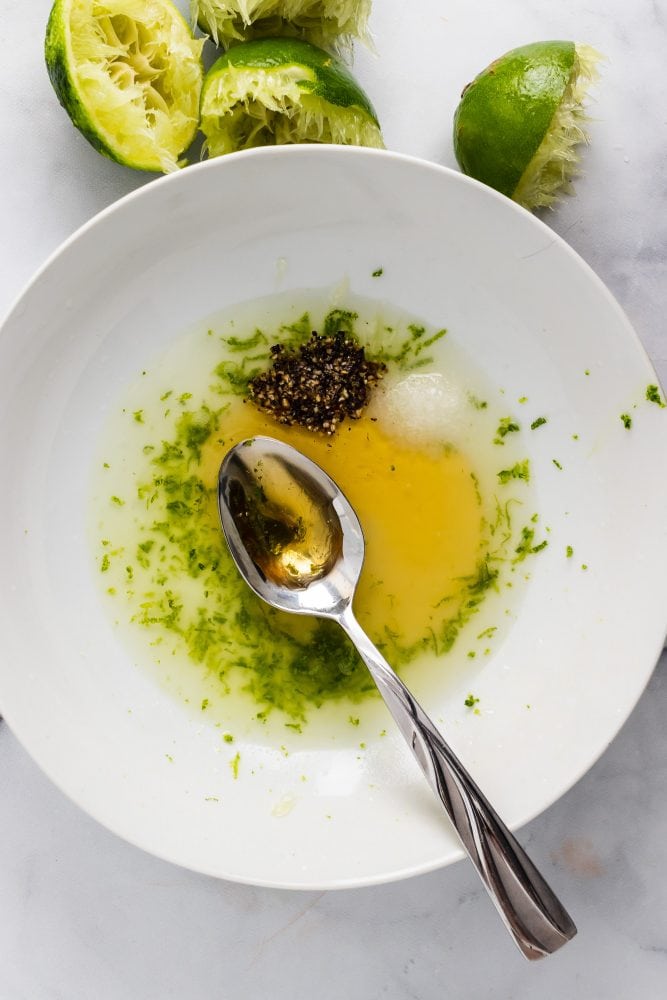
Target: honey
{"type": "Point", "coordinates": [418, 509]}
{"type": "Point", "coordinates": [291, 533]}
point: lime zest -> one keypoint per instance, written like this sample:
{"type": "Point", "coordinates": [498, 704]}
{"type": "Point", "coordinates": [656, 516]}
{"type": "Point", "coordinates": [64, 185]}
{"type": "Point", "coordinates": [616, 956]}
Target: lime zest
{"type": "Point", "coordinates": [556, 163]}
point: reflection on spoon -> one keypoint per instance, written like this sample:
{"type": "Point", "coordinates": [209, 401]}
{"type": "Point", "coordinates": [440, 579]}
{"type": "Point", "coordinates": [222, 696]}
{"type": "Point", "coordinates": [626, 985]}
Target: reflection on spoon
{"type": "Point", "coordinates": [298, 543]}
{"type": "Point", "coordinates": [283, 526]}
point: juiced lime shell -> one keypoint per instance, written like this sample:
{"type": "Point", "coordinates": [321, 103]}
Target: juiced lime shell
{"type": "Point", "coordinates": [327, 23]}
{"type": "Point", "coordinates": [129, 75]}
{"type": "Point", "coordinates": [275, 91]}
{"type": "Point", "coordinates": [520, 122]}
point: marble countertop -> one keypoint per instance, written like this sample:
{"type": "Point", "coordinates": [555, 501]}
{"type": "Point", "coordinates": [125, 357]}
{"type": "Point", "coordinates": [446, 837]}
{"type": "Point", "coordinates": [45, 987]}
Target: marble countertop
{"type": "Point", "coordinates": [85, 915]}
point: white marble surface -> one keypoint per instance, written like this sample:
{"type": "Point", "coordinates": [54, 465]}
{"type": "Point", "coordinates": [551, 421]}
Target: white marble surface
{"type": "Point", "coordinates": [84, 915]}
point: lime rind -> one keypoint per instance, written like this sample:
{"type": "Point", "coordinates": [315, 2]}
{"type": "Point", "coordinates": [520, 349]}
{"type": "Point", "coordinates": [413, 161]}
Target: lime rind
{"type": "Point", "coordinates": [331, 24]}
{"type": "Point", "coordinates": [506, 111]}
{"type": "Point", "coordinates": [275, 107]}
{"type": "Point", "coordinates": [323, 73]}
{"type": "Point", "coordinates": [552, 169]}
{"type": "Point", "coordinates": [282, 91]}
{"type": "Point", "coordinates": [129, 74]}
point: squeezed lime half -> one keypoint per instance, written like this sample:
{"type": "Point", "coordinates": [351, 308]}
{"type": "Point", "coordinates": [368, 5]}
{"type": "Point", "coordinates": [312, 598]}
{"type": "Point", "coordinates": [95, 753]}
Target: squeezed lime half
{"type": "Point", "coordinates": [129, 75]}
{"type": "Point", "coordinates": [520, 122]}
{"type": "Point", "coordinates": [275, 91]}
{"type": "Point", "coordinates": [327, 23]}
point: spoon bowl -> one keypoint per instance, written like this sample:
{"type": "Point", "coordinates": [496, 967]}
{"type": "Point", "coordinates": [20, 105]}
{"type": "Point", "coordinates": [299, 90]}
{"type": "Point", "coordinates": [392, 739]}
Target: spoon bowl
{"type": "Point", "coordinates": [266, 490]}
{"type": "Point", "coordinates": [298, 543]}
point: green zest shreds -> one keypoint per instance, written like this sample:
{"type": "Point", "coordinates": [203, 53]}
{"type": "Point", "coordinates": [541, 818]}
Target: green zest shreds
{"type": "Point", "coordinates": [129, 75]}
{"type": "Point", "coordinates": [328, 23]}
{"type": "Point", "coordinates": [254, 351]}
{"type": "Point", "coordinates": [283, 90]}
{"type": "Point", "coordinates": [506, 426]}
{"type": "Point", "coordinates": [527, 546]}
{"type": "Point", "coordinates": [519, 471]}
{"type": "Point", "coordinates": [182, 585]}
{"type": "Point", "coordinates": [653, 396]}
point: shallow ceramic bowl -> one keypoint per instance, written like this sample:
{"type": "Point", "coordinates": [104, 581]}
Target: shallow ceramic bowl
{"type": "Point", "coordinates": [536, 319]}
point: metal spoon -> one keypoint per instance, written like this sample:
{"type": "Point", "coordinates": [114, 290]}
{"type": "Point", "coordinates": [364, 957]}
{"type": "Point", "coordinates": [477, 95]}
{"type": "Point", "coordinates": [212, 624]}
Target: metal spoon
{"type": "Point", "coordinates": [298, 543]}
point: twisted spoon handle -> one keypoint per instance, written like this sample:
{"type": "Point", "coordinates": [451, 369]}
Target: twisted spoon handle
{"type": "Point", "coordinates": [531, 912]}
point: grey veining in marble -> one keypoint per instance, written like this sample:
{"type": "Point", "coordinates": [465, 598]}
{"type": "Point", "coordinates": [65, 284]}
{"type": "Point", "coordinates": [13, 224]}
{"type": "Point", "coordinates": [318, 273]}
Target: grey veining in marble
{"type": "Point", "coordinates": [82, 914]}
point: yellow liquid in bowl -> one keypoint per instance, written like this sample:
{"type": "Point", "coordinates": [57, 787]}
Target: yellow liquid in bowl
{"type": "Point", "coordinates": [418, 508]}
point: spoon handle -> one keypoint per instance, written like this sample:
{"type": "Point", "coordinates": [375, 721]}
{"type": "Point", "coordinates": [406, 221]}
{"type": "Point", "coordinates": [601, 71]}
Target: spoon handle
{"type": "Point", "coordinates": [533, 915]}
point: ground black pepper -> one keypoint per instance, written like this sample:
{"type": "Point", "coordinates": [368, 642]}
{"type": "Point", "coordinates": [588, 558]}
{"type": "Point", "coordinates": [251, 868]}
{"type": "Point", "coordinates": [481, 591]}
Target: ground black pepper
{"type": "Point", "coordinates": [322, 383]}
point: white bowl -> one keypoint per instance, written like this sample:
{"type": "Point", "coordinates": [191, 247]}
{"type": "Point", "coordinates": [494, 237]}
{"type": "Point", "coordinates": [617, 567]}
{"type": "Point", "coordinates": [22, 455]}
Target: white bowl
{"type": "Point", "coordinates": [533, 315]}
